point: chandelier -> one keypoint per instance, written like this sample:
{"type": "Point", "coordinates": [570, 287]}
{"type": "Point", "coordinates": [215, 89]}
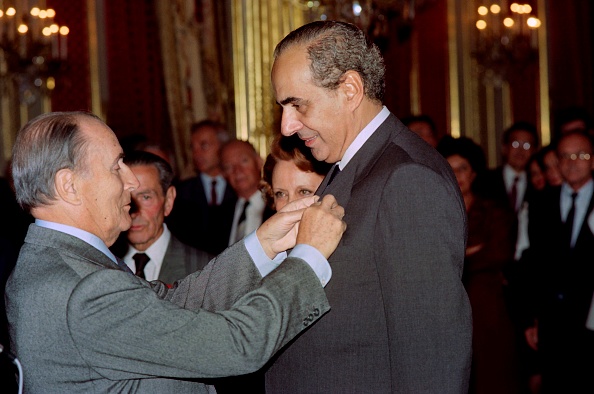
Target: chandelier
{"type": "Point", "coordinates": [506, 39]}
{"type": "Point", "coordinates": [374, 17]}
{"type": "Point", "coordinates": [33, 49]}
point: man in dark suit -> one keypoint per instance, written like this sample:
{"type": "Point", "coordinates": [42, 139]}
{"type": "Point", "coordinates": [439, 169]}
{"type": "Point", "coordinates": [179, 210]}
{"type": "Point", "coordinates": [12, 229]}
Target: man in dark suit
{"type": "Point", "coordinates": [80, 321]}
{"type": "Point", "coordinates": [148, 248]}
{"type": "Point", "coordinates": [205, 204]}
{"type": "Point", "coordinates": [560, 286]}
{"type": "Point", "coordinates": [509, 183]}
{"type": "Point", "coordinates": [400, 320]}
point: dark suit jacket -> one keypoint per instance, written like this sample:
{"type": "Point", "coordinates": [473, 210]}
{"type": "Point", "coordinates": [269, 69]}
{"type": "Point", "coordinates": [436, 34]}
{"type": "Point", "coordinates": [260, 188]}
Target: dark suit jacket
{"type": "Point", "coordinates": [492, 186]}
{"type": "Point", "coordinates": [196, 223]}
{"type": "Point", "coordinates": [559, 290]}
{"type": "Point", "coordinates": [400, 319]}
{"type": "Point", "coordinates": [79, 323]}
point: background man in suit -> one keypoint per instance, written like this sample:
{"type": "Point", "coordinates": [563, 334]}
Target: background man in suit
{"type": "Point", "coordinates": [205, 204]}
{"type": "Point", "coordinates": [559, 281]}
{"type": "Point", "coordinates": [242, 167]}
{"type": "Point", "coordinates": [508, 183]}
{"type": "Point", "coordinates": [400, 320]}
{"type": "Point", "coordinates": [80, 323]}
{"type": "Point", "coordinates": [148, 248]}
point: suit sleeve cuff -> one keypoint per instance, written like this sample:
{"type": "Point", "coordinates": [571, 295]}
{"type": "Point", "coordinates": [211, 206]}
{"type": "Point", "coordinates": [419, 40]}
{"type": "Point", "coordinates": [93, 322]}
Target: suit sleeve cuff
{"type": "Point", "coordinates": [263, 263]}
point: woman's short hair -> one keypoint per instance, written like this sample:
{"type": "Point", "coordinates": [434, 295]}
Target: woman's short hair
{"type": "Point", "coordinates": [289, 149]}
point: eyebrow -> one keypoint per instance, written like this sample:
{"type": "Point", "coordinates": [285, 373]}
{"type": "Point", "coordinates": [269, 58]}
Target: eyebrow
{"type": "Point", "coordinates": [290, 100]}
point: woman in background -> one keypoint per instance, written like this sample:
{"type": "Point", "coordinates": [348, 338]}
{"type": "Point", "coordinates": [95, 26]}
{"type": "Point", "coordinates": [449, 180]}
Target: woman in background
{"type": "Point", "coordinates": [490, 248]}
{"type": "Point", "coordinates": [290, 172]}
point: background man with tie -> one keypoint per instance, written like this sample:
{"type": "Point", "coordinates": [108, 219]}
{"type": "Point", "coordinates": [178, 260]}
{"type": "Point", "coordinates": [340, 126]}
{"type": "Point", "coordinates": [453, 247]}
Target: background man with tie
{"type": "Point", "coordinates": [560, 283]}
{"type": "Point", "coordinates": [148, 247]}
{"type": "Point", "coordinates": [205, 203]}
{"type": "Point", "coordinates": [80, 322]}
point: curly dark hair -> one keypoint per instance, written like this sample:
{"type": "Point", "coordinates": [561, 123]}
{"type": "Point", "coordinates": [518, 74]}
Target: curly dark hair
{"type": "Point", "coordinates": [335, 48]}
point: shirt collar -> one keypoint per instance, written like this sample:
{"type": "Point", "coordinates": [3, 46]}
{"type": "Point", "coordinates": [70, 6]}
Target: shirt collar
{"type": "Point", "coordinates": [83, 235]}
{"type": "Point", "coordinates": [363, 136]}
{"type": "Point", "coordinates": [586, 189]}
{"type": "Point", "coordinates": [156, 252]}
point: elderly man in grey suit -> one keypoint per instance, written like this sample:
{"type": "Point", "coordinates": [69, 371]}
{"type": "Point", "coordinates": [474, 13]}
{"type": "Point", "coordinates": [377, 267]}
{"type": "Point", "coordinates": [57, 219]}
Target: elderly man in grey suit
{"type": "Point", "coordinates": [400, 319]}
{"type": "Point", "coordinates": [80, 322]}
{"type": "Point", "coordinates": [148, 248]}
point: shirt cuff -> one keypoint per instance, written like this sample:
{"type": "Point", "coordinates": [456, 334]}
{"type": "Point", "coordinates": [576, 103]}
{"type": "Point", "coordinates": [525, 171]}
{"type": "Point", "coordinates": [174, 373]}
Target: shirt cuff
{"type": "Point", "coordinates": [263, 263]}
{"type": "Point", "coordinates": [316, 261]}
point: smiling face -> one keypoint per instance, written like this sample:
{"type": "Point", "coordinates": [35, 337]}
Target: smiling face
{"type": "Point", "coordinates": [289, 183]}
{"type": "Point", "coordinates": [150, 207]}
{"type": "Point", "coordinates": [104, 183]}
{"type": "Point", "coordinates": [319, 116]}
{"type": "Point", "coordinates": [242, 167]}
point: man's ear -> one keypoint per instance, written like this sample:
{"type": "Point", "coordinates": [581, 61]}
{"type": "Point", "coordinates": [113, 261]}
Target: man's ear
{"type": "Point", "coordinates": [66, 187]}
{"type": "Point", "coordinates": [353, 88]}
{"type": "Point", "coordinates": [169, 200]}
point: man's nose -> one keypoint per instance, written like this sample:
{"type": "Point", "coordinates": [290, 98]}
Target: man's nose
{"type": "Point", "coordinates": [289, 124]}
{"type": "Point", "coordinates": [129, 179]}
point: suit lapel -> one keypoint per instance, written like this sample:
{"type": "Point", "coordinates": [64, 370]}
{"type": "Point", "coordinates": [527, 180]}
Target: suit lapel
{"type": "Point", "coordinates": [360, 165]}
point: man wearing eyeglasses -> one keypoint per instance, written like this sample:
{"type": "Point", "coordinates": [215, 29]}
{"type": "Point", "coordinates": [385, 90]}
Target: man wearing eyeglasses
{"type": "Point", "coordinates": [562, 280]}
{"type": "Point", "coordinates": [509, 182]}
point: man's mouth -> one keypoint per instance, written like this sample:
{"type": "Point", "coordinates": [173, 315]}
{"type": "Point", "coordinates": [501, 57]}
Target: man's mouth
{"type": "Point", "coordinates": [309, 140]}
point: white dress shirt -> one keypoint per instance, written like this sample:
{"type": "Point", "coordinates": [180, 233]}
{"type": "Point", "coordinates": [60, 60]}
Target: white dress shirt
{"type": "Point", "coordinates": [253, 216]}
{"type": "Point", "coordinates": [155, 252]}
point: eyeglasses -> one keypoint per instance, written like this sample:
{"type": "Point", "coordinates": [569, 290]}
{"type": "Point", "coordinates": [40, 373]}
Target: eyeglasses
{"type": "Point", "coordinates": [522, 144]}
{"type": "Point", "coordinates": [575, 156]}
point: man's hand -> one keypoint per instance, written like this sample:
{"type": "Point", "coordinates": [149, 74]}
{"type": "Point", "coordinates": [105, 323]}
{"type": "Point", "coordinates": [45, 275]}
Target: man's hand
{"type": "Point", "coordinates": [279, 232]}
{"type": "Point", "coordinates": [322, 226]}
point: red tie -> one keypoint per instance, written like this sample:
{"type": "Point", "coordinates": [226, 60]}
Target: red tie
{"type": "Point", "coordinates": [513, 194]}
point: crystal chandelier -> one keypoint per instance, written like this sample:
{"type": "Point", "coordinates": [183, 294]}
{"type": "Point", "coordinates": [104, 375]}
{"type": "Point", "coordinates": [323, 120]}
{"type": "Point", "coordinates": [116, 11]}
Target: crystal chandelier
{"type": "Point", "coordinates": [372, 16]}
{"type": "Point", "coordinates": [506, 39]}
{"type": "Point", "coordinates": [33, 48]}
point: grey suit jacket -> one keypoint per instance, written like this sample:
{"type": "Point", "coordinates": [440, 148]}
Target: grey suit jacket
{"type": "Point", "coordinates": [80, 324]}
{"type": "Point", "coordinates": [400, 319]}
{"type": "Point", "coordinates": [181, 260]}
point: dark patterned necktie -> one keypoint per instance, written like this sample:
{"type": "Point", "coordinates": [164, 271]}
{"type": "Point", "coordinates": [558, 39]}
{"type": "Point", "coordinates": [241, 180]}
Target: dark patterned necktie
{"type": "Point", "coordinates": [241, 223]}
{"type": "Point", "coordinates": [335, 172]}
{"type": "Point", "coordinates": [140, 260]}
{"type": "Point", "coordinates": [213, 192]}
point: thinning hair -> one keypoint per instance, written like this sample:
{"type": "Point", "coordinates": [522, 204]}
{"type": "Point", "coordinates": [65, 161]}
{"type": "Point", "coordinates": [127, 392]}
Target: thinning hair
{"type": "Point", "coordinates": [333, 49]}
{"type": "Point", "coordinates": [140, 158]}
{"type": "Point", "coordinates": [45, 145]}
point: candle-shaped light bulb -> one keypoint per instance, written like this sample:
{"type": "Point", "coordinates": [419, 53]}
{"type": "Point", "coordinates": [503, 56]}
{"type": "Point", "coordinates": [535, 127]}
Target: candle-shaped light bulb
{"type": "Point", "coordinates": [64, 30]}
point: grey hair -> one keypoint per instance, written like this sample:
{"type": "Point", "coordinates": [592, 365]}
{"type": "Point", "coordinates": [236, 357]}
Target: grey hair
{"type": "Point", "coordinates": [335, 48]}
{"type": "Point", "coordinates": [47, 144]}
{"type": "Point", "coordinates": [143, 158]}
